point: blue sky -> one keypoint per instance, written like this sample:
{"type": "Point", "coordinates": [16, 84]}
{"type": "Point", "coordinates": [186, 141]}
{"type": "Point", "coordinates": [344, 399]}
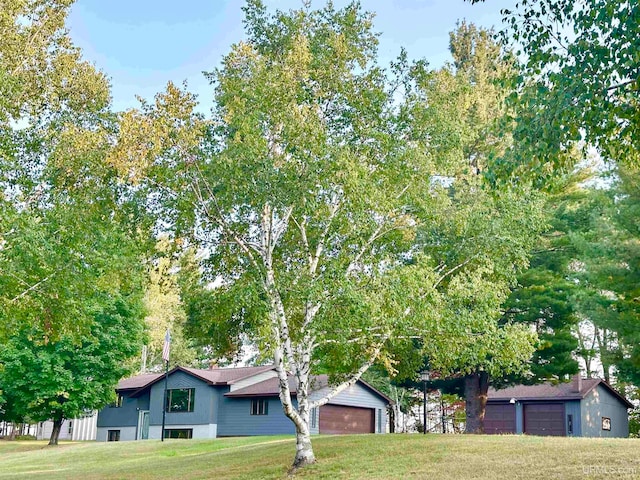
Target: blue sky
{"type": "Point", "coordinates": [142, 44]}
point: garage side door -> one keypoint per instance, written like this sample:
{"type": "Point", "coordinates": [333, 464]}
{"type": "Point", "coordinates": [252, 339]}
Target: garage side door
{"type": "Point", "coordinates": [340, 419]}
{"type": "Point", "coordinates": [500, 418]}
{"type": "Point", "coordinates": [544, 419]}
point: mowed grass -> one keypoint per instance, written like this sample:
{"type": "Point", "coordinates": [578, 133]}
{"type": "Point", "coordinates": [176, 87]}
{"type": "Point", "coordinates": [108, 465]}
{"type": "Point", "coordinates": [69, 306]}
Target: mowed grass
{"type": "Point", "coordinates": [343, 457]}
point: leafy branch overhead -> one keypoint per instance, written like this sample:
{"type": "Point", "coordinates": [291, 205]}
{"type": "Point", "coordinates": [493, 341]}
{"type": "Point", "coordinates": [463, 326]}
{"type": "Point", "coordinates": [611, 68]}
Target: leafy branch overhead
{"type": "Point", "coordinates": [580, 76]}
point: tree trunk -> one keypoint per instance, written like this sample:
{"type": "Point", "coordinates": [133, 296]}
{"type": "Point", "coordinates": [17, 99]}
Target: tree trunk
{"type": "Point", "coordinates": [300, 417]}
{"type": "Point", "coordinates": [55, 433]}
{"type": "Point", "coordinates": [476, 386]}
{"type": "Point", "coordinates": [304, 450]}
{"type": "Point", "coordinates": [443, 417]}
{"type": "Point", "coordinates": [394, 411]}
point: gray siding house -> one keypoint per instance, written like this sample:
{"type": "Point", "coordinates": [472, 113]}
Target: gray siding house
{"type": "Point", "coordinates": [581, 408]}
{"type": "Point", "coordinates": [225, 402]}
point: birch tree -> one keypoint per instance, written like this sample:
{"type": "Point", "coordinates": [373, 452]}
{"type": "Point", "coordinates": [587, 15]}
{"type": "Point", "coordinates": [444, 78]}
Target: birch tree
{"type": "Point", "coordinates": [302, 196]}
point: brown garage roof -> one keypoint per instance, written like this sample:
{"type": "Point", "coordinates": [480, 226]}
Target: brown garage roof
{"type": "Point", "coordinates": [270, 387]}
{"type": "Point", "coordinates": [548, 391]}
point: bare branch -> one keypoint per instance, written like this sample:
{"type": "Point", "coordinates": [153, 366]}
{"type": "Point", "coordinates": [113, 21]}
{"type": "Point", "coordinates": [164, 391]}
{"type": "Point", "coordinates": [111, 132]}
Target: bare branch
{"type": "Point", "coordinates": [281, 228]}
{"type": "Point", "coordinates": [310, 312]}
{"type": "Point", "coordinates": [302, 226]}
{"type": "Point", "coordinates": [622, 84]}
{"type": "Point", "coordinates": [457, 267]}
{"type": "Point", "coordinates": [313, 266]}
{"type": "Point", "coordinates": [343, 386]}
{"type": "Point", "coordinates": [247, 247]}
{"type": "Point", "coordinates": [278, 313]}
{"type": "Point", "coordinates": [372, 238]}
{"type": "Point", "coordinates": [33, 287]}
{"type": "Point", "coordinates": [360, 339]}
{"type": "Point", "coordinates": [403, 190]}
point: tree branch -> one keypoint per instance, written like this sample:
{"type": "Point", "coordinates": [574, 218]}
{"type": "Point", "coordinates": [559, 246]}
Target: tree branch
{"type": "Point", "coordinates": [302, 226]}
{"type": "Point", "coordinates": [33, 287]}
{"type": "Point", "coordinates": [321, 241]}
{"type": "Point", "coordinates": [622, 84]}
{"type": "Point", "coordinates": [372, 238]}
{"type": "Point", "coordinates": [219, 218]}
{"type": "Point", "coordinates": [343, 386]}
{"type": "Point", "coordinates": [457, 267]}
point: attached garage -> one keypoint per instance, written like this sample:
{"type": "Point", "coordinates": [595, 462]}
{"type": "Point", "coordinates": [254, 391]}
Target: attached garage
{"type": "Point", "coordinates": [544, 419]}
{"type": "Point", "coordinates": [337, 419]}
{"type": "Point", "coordinates": [500, 418]}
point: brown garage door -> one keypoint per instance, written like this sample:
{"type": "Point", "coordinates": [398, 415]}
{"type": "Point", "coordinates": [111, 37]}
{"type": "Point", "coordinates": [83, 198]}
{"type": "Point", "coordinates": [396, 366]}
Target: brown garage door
{"type": "Point", "coordinates": [341, 419]}
{"type": "Point", "coordinates": [500, 418]}
{"type": "Point", "coordinates": [544, 419]}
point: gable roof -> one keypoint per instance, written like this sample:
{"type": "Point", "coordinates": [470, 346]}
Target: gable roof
{"type": "Point", "coordinates": [139, 381]}
{"type": "Point", "coordinates": [271, 387]}
{"type": "Point", "coordinates": [548, 391]}
{"type": "Point", "coordinates": [226, 376]}
{"type": "Point", "coordinates": [216, 376]}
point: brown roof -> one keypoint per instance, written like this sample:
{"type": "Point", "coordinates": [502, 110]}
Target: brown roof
{"type": "Point", "coordinates": [216, 376]}
{"type": "Point", "coordinates": [226, 376]}
{"type": "Point", "coordinates": [548, 391]}
{"type": "Point", "coordinates": [270, 387]}
{"type": "Point", "coordinates": [138, 381]}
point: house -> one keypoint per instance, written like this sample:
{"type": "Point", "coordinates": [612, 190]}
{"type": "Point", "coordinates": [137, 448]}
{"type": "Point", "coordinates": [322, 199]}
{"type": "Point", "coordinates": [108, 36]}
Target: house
{"type": "Point", "coordinates": [224, 402]}
{"type": "Point", "coordinates": [581, 408]}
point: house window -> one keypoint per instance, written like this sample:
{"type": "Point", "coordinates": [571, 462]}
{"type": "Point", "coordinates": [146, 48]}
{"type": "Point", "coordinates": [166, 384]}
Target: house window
{"type": "Point", "coordinates": [178, 433]}
{"type": "Point", "coordinates": [117, 403]}
{"type": "Point", "coordinates": [570, 424]}
{"type": "Point", "coordinates": [314, 418]}
{"type": "Point", "coordinates": [606, 423]}
{"type": "Point", "coordinates": [379, 429]}
{"type": "Point", "coordinates": [259, 406]}
{"type": "Point", "coordinates": [180, 400]}
{"type": "Point", "coordinates": [113, 436]}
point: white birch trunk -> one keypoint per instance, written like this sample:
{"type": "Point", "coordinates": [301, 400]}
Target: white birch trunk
{"type": "Point", "coordinates": [284, 355]}
{"type": "Point", "coordinates": [295, 357]}
{"type": "Point", "coordinates": [398, 423]}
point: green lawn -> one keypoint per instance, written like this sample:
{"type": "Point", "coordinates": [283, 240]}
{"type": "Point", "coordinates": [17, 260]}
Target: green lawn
{"type": "Point", "coordinates": [349, 457]}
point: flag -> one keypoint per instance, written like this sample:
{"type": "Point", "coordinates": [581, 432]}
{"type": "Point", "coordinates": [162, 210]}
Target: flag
{"type": "Point", "coordinates": [166, 347]}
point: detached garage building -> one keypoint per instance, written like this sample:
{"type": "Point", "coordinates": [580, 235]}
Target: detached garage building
{"type": "Point", "coordinates": [581, 408]}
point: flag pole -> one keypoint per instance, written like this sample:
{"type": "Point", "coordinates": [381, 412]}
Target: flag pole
{"type": "Point", "coordinates": [165, 356]}
{"type": "Point", "coordinates": [164, 401]}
